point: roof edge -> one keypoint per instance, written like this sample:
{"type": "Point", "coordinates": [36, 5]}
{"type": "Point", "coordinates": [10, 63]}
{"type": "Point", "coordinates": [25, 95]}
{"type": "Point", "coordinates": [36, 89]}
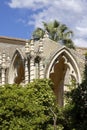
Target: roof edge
{"type": "Point", "coordinates": [11, 40]}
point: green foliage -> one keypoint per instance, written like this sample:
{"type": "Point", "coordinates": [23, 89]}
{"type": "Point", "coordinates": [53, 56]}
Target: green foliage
{"type": "Point", "coordinates": [75, 111]}
{"type": "Point", "coordinates": [27, 108]}
{"type": "Point", "coordinates": [34, 107]}
{"type": "Point", "coordinates": [57, 32]}
{"type": "Point", "coordinates": [79, 98]}
{"type": "Point", "coordinates": [38, 33]}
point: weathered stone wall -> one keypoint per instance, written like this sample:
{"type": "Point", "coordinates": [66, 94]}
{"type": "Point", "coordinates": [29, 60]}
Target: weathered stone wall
{"type": "Point", "coordinates": [81, 58]}
{"type": "Point", "coordinates": [81, 50]}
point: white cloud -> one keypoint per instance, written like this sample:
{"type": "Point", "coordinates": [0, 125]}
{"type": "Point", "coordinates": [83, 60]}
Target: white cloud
{"type": "Point", "coordinates": [64, 10]}
{"type": "Point", "coordinates": [70, 12]}
{"type": "Point", "coordinates": [80, 42]}
{"type": "Point", "coordinates": [21, 20]}
{"type": "Point", "coordinates": [67, 5]}
{"type": "Point", "coordinates": [82, 31]}
{"type": "Point", "coordinates": [71, 5]}
{"type": "Point", "coordinates": [81, 28]}
{"type": "Point", "coordinates": [29, 4]}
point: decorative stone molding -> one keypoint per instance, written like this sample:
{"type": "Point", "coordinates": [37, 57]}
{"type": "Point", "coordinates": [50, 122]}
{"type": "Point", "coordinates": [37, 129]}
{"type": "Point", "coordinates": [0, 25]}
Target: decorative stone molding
{"type": "Point", "coordinates": [27, 48]}
{"type": "Point", "coordinates": [26, 72]}
{"type": "Point", "coordinates": [32, 47]}
{"type": "Point", "coordinates": [8, 61]}
{"type": "Point", "coordinates": [3, 68]}
{"type": "Point", "coordinates": [41, 46]}
{"type": "Point", "coordinates": [32, 69]}
{"type": "Point", "coordinates": [64, 51]}
{"type": "Point", "coordinates": [41, 73]}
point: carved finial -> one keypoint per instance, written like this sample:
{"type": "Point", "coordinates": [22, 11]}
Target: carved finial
{"type": "Point", "coordinates": [27, 47]}
{"type": "Point", "coordinates": [46, 34]}
{"type": "Point", "coordinates": [32, 42]}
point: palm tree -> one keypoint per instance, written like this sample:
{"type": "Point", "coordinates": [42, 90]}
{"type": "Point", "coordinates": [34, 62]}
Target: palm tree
{"type": "Point", "coordinates": [38, 33]}
{"type": "Point", "coordinates": [51, 28]}
{"type": "Point", "coordinates": [57, 32]}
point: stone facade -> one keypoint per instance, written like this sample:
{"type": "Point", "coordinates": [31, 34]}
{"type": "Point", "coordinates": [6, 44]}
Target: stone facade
{"type": "Point", "coordinates": [22, 61]}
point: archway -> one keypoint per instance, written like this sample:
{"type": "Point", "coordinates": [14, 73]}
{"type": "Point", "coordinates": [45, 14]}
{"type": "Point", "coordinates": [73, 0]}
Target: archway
{"type": "Point", "coordinates": [61, 69]}
{"type": "Point", "coordinates": [16, 71]}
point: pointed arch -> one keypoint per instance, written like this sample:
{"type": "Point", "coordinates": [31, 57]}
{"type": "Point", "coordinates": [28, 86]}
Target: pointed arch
{"type": "Point", "coordinates": [16, 70]}
{"type": "Point", "coordinates": [62, 66]}
{"type": "Point", "coordinates": [70, 59]}
{"type": "Point", "coordinates": [17, 52]}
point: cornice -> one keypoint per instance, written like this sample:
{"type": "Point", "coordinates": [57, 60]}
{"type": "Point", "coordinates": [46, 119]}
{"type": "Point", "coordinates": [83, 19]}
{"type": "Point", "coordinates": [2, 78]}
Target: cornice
{"type": "Point", "coordinates": [10, 40]}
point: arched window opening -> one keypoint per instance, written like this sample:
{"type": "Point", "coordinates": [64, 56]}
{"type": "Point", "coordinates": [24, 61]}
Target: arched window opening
{"type": "Point", "coordinates": [61, 69]}
{"type": "Point", "coordinates": [58, 76]}
{"type": "Point", "coordinates": [18, 70]}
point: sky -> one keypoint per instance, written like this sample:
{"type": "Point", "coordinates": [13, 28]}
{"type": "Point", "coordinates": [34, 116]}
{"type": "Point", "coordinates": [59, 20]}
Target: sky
{"type": "Point", "coordinates": [19, 18]}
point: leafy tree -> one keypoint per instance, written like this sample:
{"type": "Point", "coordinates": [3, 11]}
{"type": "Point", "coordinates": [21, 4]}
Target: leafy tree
{"type": "Point", "coordinates": [31, 107]}
{"type": "Point", "coordinates": [57, 32]}
{"type": "Point", "coordinates": [76, 111]}
{"type": "Point", "coordinates": [79, 97]}
{"type": "Point", "coordinates": [38, 33]}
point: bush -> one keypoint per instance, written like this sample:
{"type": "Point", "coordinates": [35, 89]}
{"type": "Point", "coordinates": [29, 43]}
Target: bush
{"type": "Point", "coordinates": [27, 108]}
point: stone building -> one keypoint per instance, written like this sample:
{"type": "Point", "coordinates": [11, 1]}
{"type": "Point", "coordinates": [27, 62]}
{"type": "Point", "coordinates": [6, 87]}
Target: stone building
{"type": "Point", "coordinates": [22, 61]}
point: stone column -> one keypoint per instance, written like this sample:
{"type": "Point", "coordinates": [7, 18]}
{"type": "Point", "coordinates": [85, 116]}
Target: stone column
{"type": "Point", "coordinates": [26, 62]}
{"type": "Point", "coordinates": [32, 69]}
{"type": "Point", "coordinates": [41, 73]}
{"type": "Point", "coordinates": [27, 47]}
{"type": "Point", "coordinates": [3, 68]}
{"type": "Point", "coordinates": [41, 46]}
{"type": "Point", "coordinates": [41, 69]}
{"type": "Point", "coordinates": [26, 72]}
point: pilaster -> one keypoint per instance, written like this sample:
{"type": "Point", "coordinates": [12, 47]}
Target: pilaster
{"type": "Point", "coordinates": [26, 72]}
{"type": "Point", "coordinates": [41, 73]}
{"type": "Point", "coordinates": [27, 47]}
{"type": "Point", "coordinates": [32, 69]}
{"type": "Point", "coordinates": [41, 69]}
{"type": "Point", "coordinates": [3, 75]}
{"type": "Point", "coordinates": [32, 58]}
{"type": "Point", "coordinates": [26, 63]}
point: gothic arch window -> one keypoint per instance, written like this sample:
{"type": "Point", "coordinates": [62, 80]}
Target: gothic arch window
{"type": "Point", "coordinates": [19, 70]}
{"type": "Point", "coordinates": [61, 66]}
{"type": "Point", "coordinates": [16, 72]}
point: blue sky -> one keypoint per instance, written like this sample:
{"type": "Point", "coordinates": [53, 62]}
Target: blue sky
{"type": "Point", "coordinates": [18, 18]}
